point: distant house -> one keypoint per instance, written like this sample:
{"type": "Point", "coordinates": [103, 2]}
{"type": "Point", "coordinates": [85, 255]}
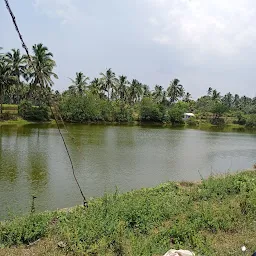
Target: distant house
{"type": "Point", "coordinates": [188, 115]}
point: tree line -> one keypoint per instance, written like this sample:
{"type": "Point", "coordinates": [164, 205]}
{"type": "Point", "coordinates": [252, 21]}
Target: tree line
{"type": "Point", "coordinates": [110, 97]}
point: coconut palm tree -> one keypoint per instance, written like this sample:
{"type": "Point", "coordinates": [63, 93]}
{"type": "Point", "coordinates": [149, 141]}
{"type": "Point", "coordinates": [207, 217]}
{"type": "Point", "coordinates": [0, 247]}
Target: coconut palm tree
{"type": "Point", "coordinates": [80, 82]}
{"type": "Point", "coordinates": [228, 100]}
{"type": "Point", "coordinates": [1, 54]}
{"type": "Point", "coordinates": [135, 91]}
{"type": "Point", "coordinates": [41, 71]}
{"type": "Point", "coordinates": [236, 100]}
{"type": "Point", "coordinates": [187, 97]}
{"type": "Point", "coordinates": [6, 80]}
{"type": "Point", "coordinates": [175, 90]}
{"type": "Point", "coordinates": [146, 90]}
{"type": "Point", "coordinates": [121, 86]}
{"type": "Point", "coordinates": [209, 92]}
{"type": "Point", "coordinates": [108, 80]}
{"type": "Point", "coordinates": [95, 87]}
{"type": "Point", "coordinates": [17, 63]}
{"type": "Point", "coordinates": [215, 95]}
{"type": "Point", "coordinates": [158, 93]}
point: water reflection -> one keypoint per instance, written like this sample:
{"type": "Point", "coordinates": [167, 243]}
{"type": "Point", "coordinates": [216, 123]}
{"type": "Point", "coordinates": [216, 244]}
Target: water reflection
{"type": "Point", "coordinates": [33, 160]}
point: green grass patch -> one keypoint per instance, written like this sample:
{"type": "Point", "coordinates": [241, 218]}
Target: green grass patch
{"type": "Point", "coordinates": [12, 112]}
{"type": "Point", "coordinates": [150, 221]}
{"type": "Point", "coordinates": [10, 107]}
{"type": "Point", "coordinates": [18, 121]}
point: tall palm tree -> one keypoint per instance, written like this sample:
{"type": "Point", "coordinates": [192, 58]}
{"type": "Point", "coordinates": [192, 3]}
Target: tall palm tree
{"type": "Point", "coordinates": [80, 82]}
{"type": "Point", "coordinates": [109, 80]}
{"type": "Point", "coordinates": [18, 65]}
{"type": "Point", "coordinates": [215, 95]}
{"type": "Point", "coordinates": [1, 54]}
{"type": "Point", "coordinates": [6, 80]}
{"type": "Point", "coordinates": [135, 91]}
{"type": "Point", "coordinates": [158, 93]}
{"type": "Point", "coordinates": [175, 90]}
{"type": "Point", "coordinates": [209, 92]}
{"type": "Point", "coordinates": [122, 84]}
{"type": "Point", "coordinates": [96, 87]}
{"type": "Point", "coordinates": [17, 62]}
{"type": "Point", "coordinates": [146, 90]}
{"type": "Point", "coordinates": [228, 100]}
{"type": "Point", "coordinates": [236, 100]}
{"type": "Point", "coordinates": [41, 72]}
{"type": "Point", "coordinates": [187, 97]}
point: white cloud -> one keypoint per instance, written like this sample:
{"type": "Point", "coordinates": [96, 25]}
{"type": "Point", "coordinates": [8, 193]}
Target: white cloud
{"type": "Point", "coordinates": [221, 27]}
{"type": "Point", "coordinates": [66, 10]}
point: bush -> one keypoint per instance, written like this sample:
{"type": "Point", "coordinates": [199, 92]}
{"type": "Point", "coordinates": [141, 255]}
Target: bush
{"type": "Point", "coordinates": [218, 109]}
{"type": "Point", "coordinates": [83, 108]}
{"type": "Point", "coordinates": [192, 121]}
{"type": "Point", "coordinates": [150, 111]}
{"type": "Point", "coordinates": [34, 113]}
{"type": "Point", "coordinates": [122, 112]}
{"type": "Point", "coordinates": [90, 108]}
{"type": "Point", "coordinates": [176, 112]}
{"type": "Point", "coordinates": [251, 121]}
{"type": "Point", "coordinates": [23, 230]}
{"type": "Point", "coordinates": [240, 119]}
{"type": "Point", "coordinates": [7, 116]}
{"type": "Point", "coordinates": [217, 121]}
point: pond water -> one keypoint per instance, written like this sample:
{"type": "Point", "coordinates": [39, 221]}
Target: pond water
{"type": "Point", "coordinates": [33, 161]}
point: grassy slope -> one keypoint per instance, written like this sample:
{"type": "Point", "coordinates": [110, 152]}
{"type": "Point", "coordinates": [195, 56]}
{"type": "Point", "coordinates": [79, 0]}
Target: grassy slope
{"type": "Point", "coordinates": [215, 217]}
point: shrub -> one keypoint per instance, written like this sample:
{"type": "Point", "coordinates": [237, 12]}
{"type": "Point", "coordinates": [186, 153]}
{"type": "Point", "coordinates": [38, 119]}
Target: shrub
{"type": "Point", "coordinates": [251, 121]}
{"type": "Point", "coordinates": [218, 109]}
{"type": "Point", "coordinates": [176, 115]}
{"type": "Point", "coordinates": [217, 121]}
{"type": "Point", "coordinates": [7, 116]}
{"type": "Point", "coordinates": [122, 112]}
{"type": "Point", "coordinates": [24, 230]}
{"type": "Point", "coordinates": [150, 111]}
{"type": "Point", "coordinates": [240, 119]}
{"type": "Point", "coordinates": [176, 112]}
{"type": "Point", "coordinates": [82, 108]}
{"type": "Point", "coordinates": [192, 121]}
{"type": "Point", "coordinates": [34, 113]}
{"type": "Point", "coordinates": [90, 108]}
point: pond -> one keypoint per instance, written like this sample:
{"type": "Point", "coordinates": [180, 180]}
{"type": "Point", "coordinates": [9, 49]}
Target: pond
{"type": "Point", "coordinates": [33, 161]}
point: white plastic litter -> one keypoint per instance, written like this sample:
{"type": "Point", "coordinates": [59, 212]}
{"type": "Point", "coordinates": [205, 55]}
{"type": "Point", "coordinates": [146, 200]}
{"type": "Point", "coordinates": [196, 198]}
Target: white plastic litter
{"type": "Point", "coordinates": [179, 253]}
{"type": "Point", "coordinates": [243, 248]}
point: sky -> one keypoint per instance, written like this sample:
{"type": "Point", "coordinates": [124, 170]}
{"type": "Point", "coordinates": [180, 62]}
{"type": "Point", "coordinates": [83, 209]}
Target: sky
{"type": "Point", "coordinates": [203, 43]}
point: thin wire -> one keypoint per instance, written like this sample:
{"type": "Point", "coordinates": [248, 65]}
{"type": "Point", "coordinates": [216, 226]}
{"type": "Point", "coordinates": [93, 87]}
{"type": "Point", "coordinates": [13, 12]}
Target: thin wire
{"type": "Point", "coordinates": [47, 97]}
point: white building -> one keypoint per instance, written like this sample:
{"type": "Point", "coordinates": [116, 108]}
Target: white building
{"type": "Point", "coordinates": [188, 115]}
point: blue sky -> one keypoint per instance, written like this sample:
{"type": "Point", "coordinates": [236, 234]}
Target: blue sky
{"type": "Point", "coordinates": [202, 42]}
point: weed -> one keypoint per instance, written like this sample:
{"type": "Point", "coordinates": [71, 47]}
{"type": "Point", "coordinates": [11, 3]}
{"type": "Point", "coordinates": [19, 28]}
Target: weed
{"type": "Point", "coordinates": [149, 221]}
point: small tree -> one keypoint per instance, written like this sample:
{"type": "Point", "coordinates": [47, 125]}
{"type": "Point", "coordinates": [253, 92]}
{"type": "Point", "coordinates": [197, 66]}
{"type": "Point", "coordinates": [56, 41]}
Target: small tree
{"type": "Point", "coordinates": [218, 109]}
{"type": "Point", "coordinates": [177, 111]}
{"type": "Point", "coordinates": [149, 111]}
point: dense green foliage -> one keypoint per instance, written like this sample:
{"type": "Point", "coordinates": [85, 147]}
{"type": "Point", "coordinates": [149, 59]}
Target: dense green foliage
{"type": "Point", "coordinates": [24, 80]}
{"type": "Point", "coordinates": [29, 112]}
{"type": "Point", "coordinates": [150, 221]}
{"type": "Point", "coordinates": [112, 98]}
{"type": "Point", "coordinates": [150, 111]}
{"type": "Point", "coordinates": [90, 108]}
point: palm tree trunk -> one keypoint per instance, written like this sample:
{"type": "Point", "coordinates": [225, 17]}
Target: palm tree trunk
{"type": "Point", "coordinates": [1, 100]}
{"type": "Point", "coordinates": [20, 89]}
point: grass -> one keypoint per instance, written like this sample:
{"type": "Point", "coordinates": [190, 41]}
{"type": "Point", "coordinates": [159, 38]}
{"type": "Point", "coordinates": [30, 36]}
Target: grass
{"type": "Point", "coordinates": [10, 107]}
{"type": "Point", "coordinates": [18, 121]}
{"type": "Point", "coordinates": [213, 217]}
